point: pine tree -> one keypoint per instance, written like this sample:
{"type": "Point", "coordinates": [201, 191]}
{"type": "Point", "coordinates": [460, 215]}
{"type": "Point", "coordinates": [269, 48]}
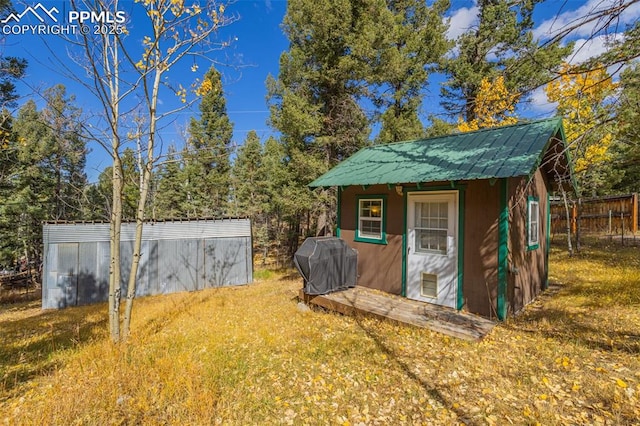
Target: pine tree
{"type": "Point", "coordinates": [32, 200]}
{"type": "Point", "coordinates": [207, 165]}
{"type": "Point", "coordinates": [251, 195]}
{"type": "Point", "coordinates": [68, 152]}
{"type": "Point", "coordinates": [626, 146]}
{"type": "Point", "coordinates": [131, 180]}
{"type": "Point", "coordinates": [314, 101]}
{"type": "Point", "coordinates": [501, 43]}
{"type": "Point", "coordinates": [412, 43]}
{"type": "Point", "coordinates": [276, 192]}
{"type": "Point", "coordinates": [10, 173]}
{"type": "Point", "coordinates": [45, 179]}
{"type": "Point", "coordinates": [248, 178]}
{"type": "Point", "coordinates": [11, 69]}
{"type": "Point", "coordinates": [97, 204]}
{"type": "Point", "coordinates": [8, 152]}
{"type": "Point", "coordinates": [439, 127]}
{"type": "Point", "coordinates": [170, 193]}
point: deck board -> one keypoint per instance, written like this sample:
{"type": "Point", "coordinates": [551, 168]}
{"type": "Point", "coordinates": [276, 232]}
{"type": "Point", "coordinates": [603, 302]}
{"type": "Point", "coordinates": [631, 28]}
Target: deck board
{"type": "Point", "coordinates": [362, 300]}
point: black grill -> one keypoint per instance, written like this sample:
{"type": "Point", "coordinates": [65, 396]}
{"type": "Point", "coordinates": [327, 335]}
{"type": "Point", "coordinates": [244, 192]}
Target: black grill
{"type": "Point", "coordinates": [327, 264]}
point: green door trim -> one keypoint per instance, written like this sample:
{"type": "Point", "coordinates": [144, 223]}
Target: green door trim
{"type": "Point", "coordinates": [461, 211]}
{"type": "Point", "coordinates": [503, 249]}
{"type": "Point", "coordinates": [405, 199]}
{"type": "Point", "coordinates": [460, 189]}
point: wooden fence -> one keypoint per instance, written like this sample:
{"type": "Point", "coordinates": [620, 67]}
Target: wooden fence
{"type": "Point", "coordinates": [610, 215]}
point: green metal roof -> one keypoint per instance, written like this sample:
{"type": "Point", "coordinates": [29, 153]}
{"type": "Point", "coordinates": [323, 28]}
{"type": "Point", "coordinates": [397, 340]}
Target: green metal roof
{"type": "Point", "coordinates": [501, 152]}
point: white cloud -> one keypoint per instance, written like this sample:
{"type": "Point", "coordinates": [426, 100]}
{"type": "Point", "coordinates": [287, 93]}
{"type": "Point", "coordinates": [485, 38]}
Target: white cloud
{"type": "Point", "coordinates": [461, 21]}
{"type": "Point", "coordinates": [580, 18]}
{"type": "Point", "coordinates": [539, 104]}
{"type": "Point", "coordinates": [585, 49]}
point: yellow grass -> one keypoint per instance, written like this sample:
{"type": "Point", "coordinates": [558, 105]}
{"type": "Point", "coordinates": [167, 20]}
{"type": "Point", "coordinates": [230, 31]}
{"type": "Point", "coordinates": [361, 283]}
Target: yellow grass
{"type": "Point", "coordinates": [248, 355]}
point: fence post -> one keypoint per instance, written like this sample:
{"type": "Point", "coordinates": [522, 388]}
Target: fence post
{"type": "Point", "coordinates": [634, 213]}
{"type": "Point", "coordinates": [622, 233]}
{"type": "Point", "coordinates": [610, 229]}
{"type": "Point", "coordinates": [578, 227]}
{"type": "Point", "coordinates": [609, 221]}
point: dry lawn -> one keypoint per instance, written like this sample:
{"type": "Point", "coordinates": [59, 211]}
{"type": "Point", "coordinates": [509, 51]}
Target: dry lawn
{"type": "Point", "coordinates": [248, 355]}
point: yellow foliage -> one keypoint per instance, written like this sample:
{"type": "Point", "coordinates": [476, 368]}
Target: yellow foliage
{"type": "Point", "coordinates": [204, 88]}
{"type": "Point", "coordinates": [182, 94]}
{"type": "Point", "coordinates": [621, 383]}
{"type": "Point", "coordinates": [177, 7]}
{"type": "Point", "coordinates": [4, 138]}
{"type": "Point", "coordinates": [494, 104]}
{"type": "Point", "coordinates": [248, 355]}
{"type": "Point", "coordinates": [581, 97]}
{"type": "Point", "coordinates": [594, 154]}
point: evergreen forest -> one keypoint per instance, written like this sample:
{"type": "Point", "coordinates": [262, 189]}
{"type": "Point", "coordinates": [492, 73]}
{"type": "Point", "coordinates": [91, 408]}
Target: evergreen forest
{"type": "Point", "coordinates": [356, 73]}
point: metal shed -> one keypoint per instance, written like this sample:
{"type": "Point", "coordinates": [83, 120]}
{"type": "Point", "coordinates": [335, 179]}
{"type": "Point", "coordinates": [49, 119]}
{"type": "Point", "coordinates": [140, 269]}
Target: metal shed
{"type": "Point", "coordinates": [176, 256]}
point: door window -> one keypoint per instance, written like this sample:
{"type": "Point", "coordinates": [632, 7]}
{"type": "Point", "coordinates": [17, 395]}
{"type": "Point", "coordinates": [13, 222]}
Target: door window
{"type": "Point", "coordinates": [431, 227]}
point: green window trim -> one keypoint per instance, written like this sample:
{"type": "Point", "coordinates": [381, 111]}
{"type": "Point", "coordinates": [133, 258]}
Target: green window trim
{"type": "Point", "coordinates": [547, 242]}
{"type": "Point", "coordinates": [383, 219]}
{"type": "Point", "coordinates": [533, 205]}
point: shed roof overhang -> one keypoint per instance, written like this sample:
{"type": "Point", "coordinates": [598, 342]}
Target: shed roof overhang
{"type": "Point", "coordinates": [509, 151]}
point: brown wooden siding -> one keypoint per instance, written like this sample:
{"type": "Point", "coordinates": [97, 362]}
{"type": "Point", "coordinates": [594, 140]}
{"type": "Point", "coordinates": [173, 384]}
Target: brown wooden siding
{"type": "Point", "coordinates": [379, 265]}
{"type": "Point", "coordinates": [527, 269]}
{"type": "Point", "coordinates": [481, 212]}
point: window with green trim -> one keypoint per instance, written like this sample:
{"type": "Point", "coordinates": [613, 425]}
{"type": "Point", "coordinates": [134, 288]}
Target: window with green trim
{"type": "Point", "coordinates": [533, 223]}
{"type": "Point", "coordinates": [371, 217]}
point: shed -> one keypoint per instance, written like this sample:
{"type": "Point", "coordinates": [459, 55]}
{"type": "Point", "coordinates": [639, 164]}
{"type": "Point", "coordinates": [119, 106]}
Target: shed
{"type": "Point", "coordinates": [176, 256]}
{"type": "Point", "coordinates": [460, 221]}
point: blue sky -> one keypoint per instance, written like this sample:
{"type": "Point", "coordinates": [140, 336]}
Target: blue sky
{"type": "Point", "coordinates": [255, 52]}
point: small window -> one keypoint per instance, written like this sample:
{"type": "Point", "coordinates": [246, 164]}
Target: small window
{"type": "Point", "coordinates": [533, 223]}
{"type": "Point", "coordinates": [371, 216]}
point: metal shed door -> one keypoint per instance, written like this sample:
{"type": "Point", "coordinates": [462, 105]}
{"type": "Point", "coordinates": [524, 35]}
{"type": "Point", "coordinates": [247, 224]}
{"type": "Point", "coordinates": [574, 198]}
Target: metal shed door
{"type": "Point", "coordinates": [432, 247]}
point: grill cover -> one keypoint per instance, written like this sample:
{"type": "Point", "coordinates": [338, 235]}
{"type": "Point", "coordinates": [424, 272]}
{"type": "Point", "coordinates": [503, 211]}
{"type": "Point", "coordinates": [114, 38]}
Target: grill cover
{"type": "Point", "coordinates": [327, 264]}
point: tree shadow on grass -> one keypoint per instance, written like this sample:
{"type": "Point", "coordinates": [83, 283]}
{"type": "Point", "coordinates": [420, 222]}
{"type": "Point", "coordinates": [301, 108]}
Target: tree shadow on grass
{"type": "Point", "coordinates": [395, 358]}
{"type": "Point", "coordinates": [32, 339]}
{"type": "Point", "coordinates": [582, 325]}
{"type": "Point", "coordinates": [614, 283]}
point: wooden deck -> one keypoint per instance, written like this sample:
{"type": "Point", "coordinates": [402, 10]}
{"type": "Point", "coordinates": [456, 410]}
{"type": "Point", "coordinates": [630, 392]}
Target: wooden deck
{"type": "Point", "coordinates": [361, 300]}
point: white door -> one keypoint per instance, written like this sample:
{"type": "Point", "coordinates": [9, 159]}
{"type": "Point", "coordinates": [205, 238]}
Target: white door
{"type": "Point", "coordinates": [432, 247]}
